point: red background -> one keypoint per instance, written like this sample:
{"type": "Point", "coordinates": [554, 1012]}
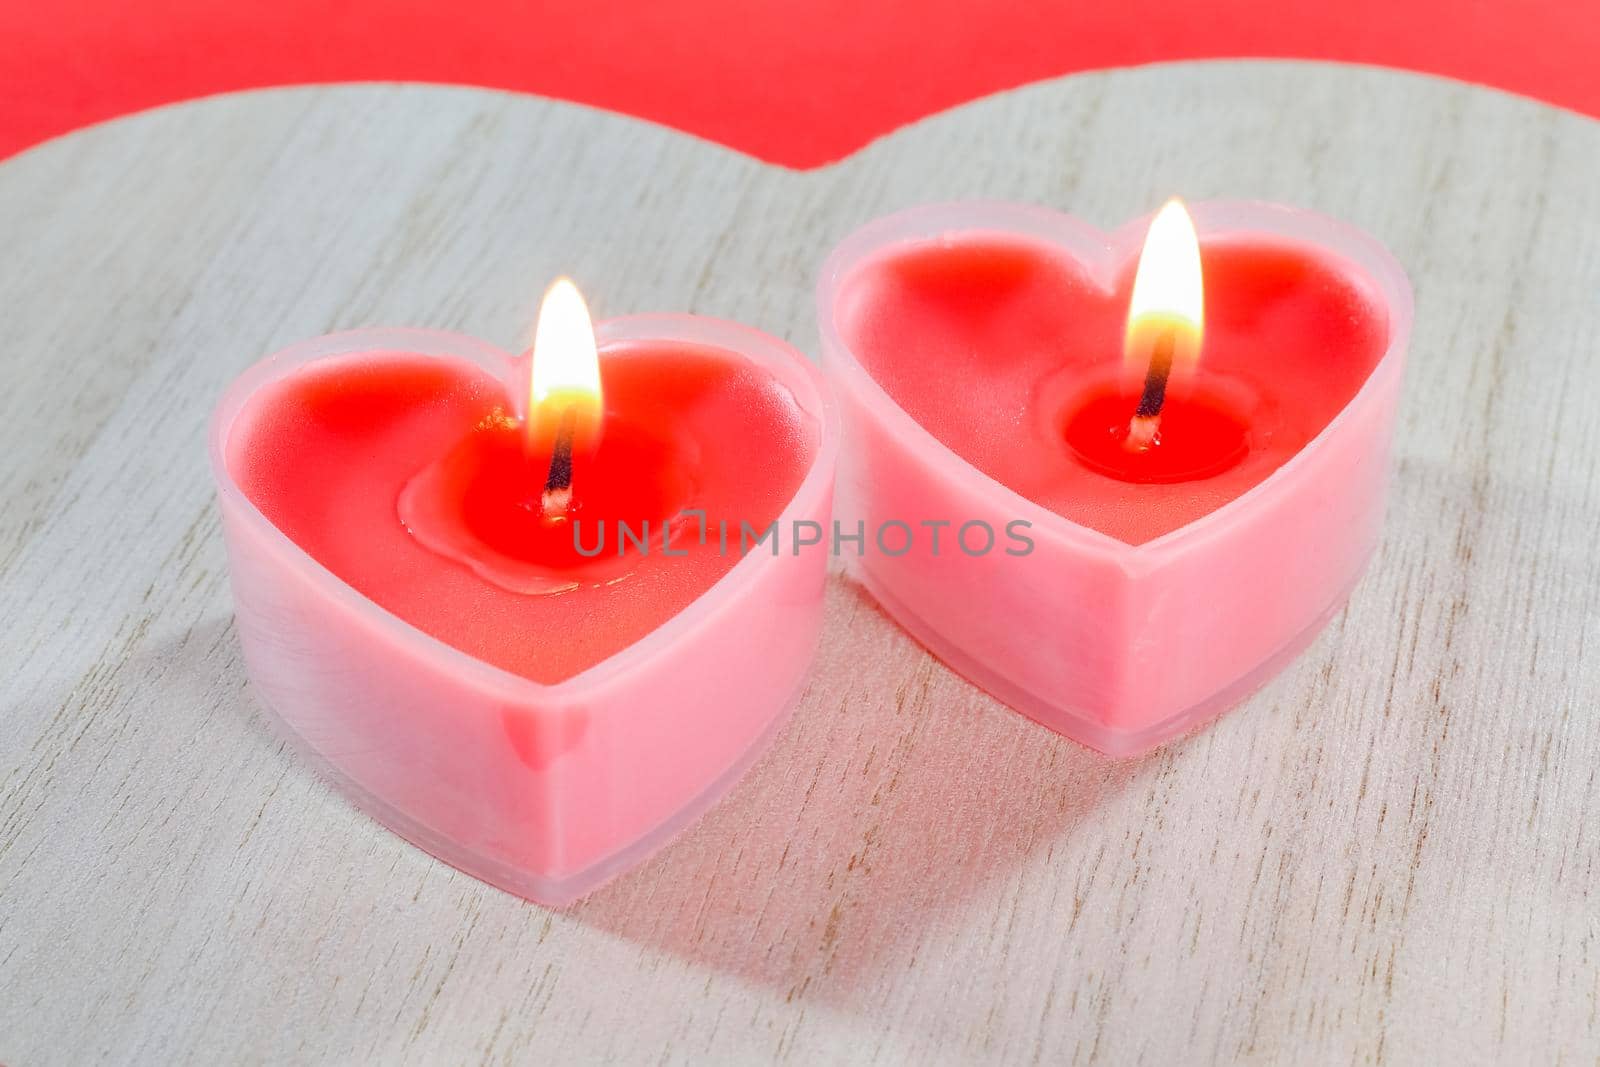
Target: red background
{"type": "Point", "coordinates": [799, 83]}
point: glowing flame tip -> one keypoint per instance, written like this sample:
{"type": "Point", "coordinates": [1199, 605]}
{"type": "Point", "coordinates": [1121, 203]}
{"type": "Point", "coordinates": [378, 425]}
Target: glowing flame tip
{"type": "Point", "coordinates": [1167, 284]}
{"type": "Point", "coordinates": [564, 354]}
{"type": "Point", "coordinates": [565, 371]}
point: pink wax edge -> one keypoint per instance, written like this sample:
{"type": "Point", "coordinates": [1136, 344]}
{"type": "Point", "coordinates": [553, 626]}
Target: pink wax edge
{"type": "Point", "coordinates": [788, 367]}
{"type": "Point", "coordinates": [1103, 257]}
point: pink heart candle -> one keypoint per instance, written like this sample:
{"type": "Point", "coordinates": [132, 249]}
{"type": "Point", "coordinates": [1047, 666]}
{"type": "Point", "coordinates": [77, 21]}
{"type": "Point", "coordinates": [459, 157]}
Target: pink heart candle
{"type": "Point", "coordinates": [536, 714]}
{"type": "Point", "coordinates": [1116, 594]}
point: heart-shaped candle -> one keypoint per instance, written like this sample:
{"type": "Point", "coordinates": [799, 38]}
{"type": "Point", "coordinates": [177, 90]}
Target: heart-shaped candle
{"type": "Point", "coordinates": [528, 644]}
{"type": "Point", "coordinates": [1112, 522]}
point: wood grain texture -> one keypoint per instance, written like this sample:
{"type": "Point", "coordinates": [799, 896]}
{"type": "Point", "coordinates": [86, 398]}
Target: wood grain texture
{"type": "Point", "coordinates": [1387, 856]}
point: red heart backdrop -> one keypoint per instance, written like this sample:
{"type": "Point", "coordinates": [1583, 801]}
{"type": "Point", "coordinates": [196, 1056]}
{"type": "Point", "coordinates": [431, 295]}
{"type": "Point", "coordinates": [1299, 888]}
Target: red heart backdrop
{"type": "Point", "coordinates": [798, 84]}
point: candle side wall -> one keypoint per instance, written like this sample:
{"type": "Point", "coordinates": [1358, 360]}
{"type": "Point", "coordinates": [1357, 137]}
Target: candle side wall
{"type": "Point", "coordinates": [1040, 630]}
{"type": "Point", "coordinates": [1255, 587]}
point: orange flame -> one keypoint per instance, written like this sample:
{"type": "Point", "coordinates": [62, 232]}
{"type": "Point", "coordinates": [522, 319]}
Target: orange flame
{"type": "Point", "coordinates": [565, 373]}
{"type": "Point", "coordinates": [1168, 296]}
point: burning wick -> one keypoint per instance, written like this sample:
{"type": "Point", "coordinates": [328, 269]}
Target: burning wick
{"type": "Point", "coordinates": [1145, 426]}
{"type": "Point", "coordinates": [1165, 312]}
{"type": "Point", "coordinates": [564, 378]}
{"type": "Point", "coordinates": [557, 497]}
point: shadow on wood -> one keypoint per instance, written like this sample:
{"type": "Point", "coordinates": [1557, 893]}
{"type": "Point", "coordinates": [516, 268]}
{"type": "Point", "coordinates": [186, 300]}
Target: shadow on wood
{"type": "Point", "coordinates": [898, 791]}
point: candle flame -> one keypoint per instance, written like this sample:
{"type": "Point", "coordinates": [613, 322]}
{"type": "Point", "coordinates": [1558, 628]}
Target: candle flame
{"type": "Point", "coordinates": [1167, 292]}
{"type": "Point", "coordinates": [565, 372]}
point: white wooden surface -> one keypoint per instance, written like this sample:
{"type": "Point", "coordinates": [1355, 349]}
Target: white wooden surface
{"type": "Point", "coordinates": [1388, 856]}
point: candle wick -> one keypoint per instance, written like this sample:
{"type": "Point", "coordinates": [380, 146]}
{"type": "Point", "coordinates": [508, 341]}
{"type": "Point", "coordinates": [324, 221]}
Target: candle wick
{"type": "Point", "coordinates": [1155, 378]}
{"type": "Point", "coordinates": [558, 484]}
{"type": "Point", "coordinates": [1144, 428]}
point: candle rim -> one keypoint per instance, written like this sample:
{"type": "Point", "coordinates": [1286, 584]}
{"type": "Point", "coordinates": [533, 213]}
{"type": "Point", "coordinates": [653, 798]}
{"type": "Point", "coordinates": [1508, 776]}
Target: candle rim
{"type": "Point", "coordinates": [801, 376]}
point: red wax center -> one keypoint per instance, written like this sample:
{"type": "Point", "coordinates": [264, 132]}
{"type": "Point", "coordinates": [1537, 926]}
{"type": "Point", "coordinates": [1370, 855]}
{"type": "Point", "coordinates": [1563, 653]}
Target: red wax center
{"type": "Point", "coordinates": [484, 504]}
{"type": "Point", "coordinates": [635, 479]}
{"type": "Point", "coordinates": [1195, 436]}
